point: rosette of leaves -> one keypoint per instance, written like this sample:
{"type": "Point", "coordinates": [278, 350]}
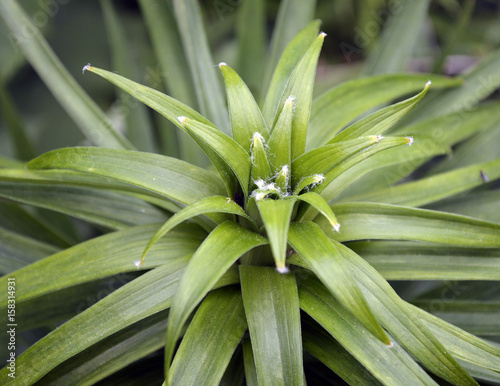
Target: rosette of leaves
{"type": "Point", "coordinates": [276, 258]}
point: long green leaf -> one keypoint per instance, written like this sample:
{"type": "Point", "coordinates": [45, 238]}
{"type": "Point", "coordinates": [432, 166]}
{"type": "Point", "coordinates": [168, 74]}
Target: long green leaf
{"type": "Point", "coordinates": [101, 257]}
{"type": "Point", "coordinates": [173, 110]}
{"type": "Point", "coordinates": [398, 38]}
{"type": "Point", "coordinates": [432, 189]}
{"type": "Point", "coordinates": [249, 363]}
{"type": "Point", "coordinates": [376, 171]}
{"type": "Point", "coordinates": [146, 295]}
{"type": "Point", "coordinates": [139, 128]}
{"type": "Point", "coordinates": [111, 354]}
{"type": "Point", "coordinates": [226, 148]}
{"type": "Point", "coordinates": [323, 159]}
{"type": "Point", "coordinates": [280, 142]}
{"type": "Point", "coordinates": [330, 267]}
{"type": "Point", "coordinates": [217, 204]}
{"type": "Point", "coordinates": [142, 297]}
{"type": "Point", "coordinates": [335, 108]}
{"type": "Point", "coordinates": [319, 203]}
{"type": "Point", "coordinates": [171, 177]}
{"type": "Point", "coordinates": [408, 260]}
{"type": "Point", "coordinates": [294, 17]}
{"type": "Point", "coordinates": [475, 316]}
{"type": "Point", "coordinates": [276, 216]}
{"type": "Point", "coordinates": [481, 205]}
{"type": "Point", "coordinates": [110, 209]}
{"type": "Point", "coordinates": [382, 120]}
{"type": "Point", "coordinates": [251, 33]}
{"type": "Point", "coordinates": [219, 251]}
{"type": "Point", "coordinates": [273, 315]}
{"type": "Point", "coordinates": [460, 343]}
{"type": "Point", "coordinates": [291, 56]}
{"type": "Point", "coordinates": [167, 46]}
{"type": "Point", "coordinates": [246, 118]}
{"type": "Point", "coordinates": [91, 120]}
{"type": "Point", "coordinates": [208, 89]}
{"type": "Point", "coordinates": [397, 319]}
{"type": "Point", "coordinates": [300, 86]}
{"type": "Point", "coordinates": [390, 365]}
{"type": "Point", "coordinates": [382, 221]}
{"type": "Point", "coordinates": [211, 339]}
{"type": "Point", "coordinates": [173, 71]}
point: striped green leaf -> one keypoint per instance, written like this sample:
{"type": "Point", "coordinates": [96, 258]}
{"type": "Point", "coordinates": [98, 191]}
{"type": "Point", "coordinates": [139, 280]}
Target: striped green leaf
{"type": "Point", "coordinates": [210, 340]}
{"type": "Point", "coordinates": [272, 311]}
{"type": "Point", "coordinates": [219, 251]}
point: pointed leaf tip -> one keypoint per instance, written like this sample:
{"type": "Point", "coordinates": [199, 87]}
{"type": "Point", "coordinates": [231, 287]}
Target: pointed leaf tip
{"type": "Point", "coordinates": [322, 34]}
{"type": "Point", "coordinates": [409, 140]}
{"type": "Point", "coordinates": [222, 64]}
{"type": "Point", "coordinates": [283, 269]}
{"type": "Point", "coordinates": [428, 83]}
{"type": "Point", "coordinates": [336, 227]}
{"type": "Point", "coordinates": [86, 67]}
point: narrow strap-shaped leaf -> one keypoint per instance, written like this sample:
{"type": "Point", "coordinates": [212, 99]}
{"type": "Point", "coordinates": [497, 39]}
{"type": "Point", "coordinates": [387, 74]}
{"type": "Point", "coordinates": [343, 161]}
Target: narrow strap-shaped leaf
{"type": "Point", "coordinates": [17, 251]}
{"type": "Point", "coordinates": [216, 204]}
{"type": "Point", "coordinates": [210, 340]}
{"type": "Point", "coordinates": [460, 343]}
{"type": "Point", "coordinates": [208, 89]}
{"type": "Point", "coordinates": [330, 267]}
{"type": "Point", "coordinates": [104, 256]}
{"type": "Point", "coordinates": [111, 354]}
{"type": "Point", "coordinates": [300, 85]}
{"type": "Point", "coordinates": [383, 221]}
{"type": "Point", "coordinates": [219, 251]}
{"type": "Point", "coordinates": [226, 148]}
{"type": "Point", "coordinates": [272, 311]}
{"type": "Point", "coordinates": [91, 120]}
{"type": "Point", "coordinates": [398, 320]}
{"type": "Point", "coordinates": [174, 178]}
{"type": "Point", "coordinates": [398, 38]}
{"type": "Point", "coordinates": [484, 205]}
{"type": "Point", "coordinates": [432, 189]}
{"type": "Point", "coordinates": [295, 50]}
{"type": "Point", "coordinates": [110, 209]}
{"type": "Point", "coordinates": [324, 158]}
{"type": "Point", "coordinates": [144, 296]}
{"type": "Point", "coordinates": [276, 216]}
{"type": "Point", "coordinates": [479, 317]}
{"type": "Point", "coordinates": [280, 142]}
{"type": "Point", "coordinates": [337, 107]}
{"type": "Point", "coordinates": [319, 203]}
{"type": "Point", "coordinates": [246, 118]}
{"type": "Point", "coordinates": [139, 127]}
{"type": "Point", "coordinates": [138, 299]}
{"type": "Point", "coordinates": [251, 33]}
{"type": "Point", "coordinates": [167, 46]}
{"type": "Point", "coordinates": [383, 169]}
{"type": "Point", "coordinates": [331, 183]}
{"type": "Point", "coordinates": [382, 120]}
{"type": "Point", "coordinates": [390, 365]}
{"type": "Point", "coordinates": [173, 71]}
{"type": "Point", "coordinates": [326, 349]}
{"type": "Point", "coordinates": [172, 110]}
{"type": "Point", "coordinates": [455, 127]}
{"type": "Point", "coordinates": [408, 260]}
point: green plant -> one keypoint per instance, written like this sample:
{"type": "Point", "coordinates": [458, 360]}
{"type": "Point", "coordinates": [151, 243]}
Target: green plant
{"type": "Point", "coordinates": [298, 213]}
